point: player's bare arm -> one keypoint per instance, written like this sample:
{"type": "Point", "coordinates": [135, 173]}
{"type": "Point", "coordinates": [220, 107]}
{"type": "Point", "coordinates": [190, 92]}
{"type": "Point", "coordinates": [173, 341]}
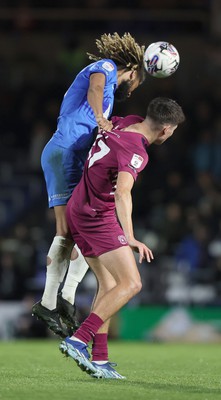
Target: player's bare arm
{"type": "Point", "coordinates": [123, 202]}
{"type": "Point", "coordinates": [95, 99]}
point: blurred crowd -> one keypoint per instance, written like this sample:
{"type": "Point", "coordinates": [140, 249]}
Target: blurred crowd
{"type": "Point", "coordinates": [177, 199]}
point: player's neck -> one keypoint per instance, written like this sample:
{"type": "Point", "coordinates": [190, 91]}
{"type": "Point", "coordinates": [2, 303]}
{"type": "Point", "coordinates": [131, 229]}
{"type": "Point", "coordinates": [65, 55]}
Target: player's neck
{"type": "Point", "coordinates": [144, 129]}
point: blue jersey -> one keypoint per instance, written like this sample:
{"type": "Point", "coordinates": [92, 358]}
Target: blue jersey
{"type": "Point", "coordinates": [76, 120]}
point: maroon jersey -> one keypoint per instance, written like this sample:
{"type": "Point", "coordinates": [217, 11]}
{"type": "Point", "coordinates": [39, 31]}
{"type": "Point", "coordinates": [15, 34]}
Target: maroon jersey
{"type": "Point", "coordinates": [113, 151]}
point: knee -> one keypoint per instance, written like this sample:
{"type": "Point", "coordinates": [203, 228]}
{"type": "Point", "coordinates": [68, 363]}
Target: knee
{"type": "Point", "coordinates": [134, 287]}
{"type": "Point", "coordinates": [74, 254]}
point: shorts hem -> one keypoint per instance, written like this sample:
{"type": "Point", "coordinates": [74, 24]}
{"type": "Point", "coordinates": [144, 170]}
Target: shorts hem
{"type": "Point", "coordinates": [107, 251]}
{"type": "Point", "coordinates": [56, 203]}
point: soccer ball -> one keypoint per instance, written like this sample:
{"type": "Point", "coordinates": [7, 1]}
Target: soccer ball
{"type": "Point", "coordinates": [161, 59]}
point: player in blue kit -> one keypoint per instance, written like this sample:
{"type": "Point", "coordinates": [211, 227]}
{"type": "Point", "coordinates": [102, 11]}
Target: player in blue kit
{"type": "Point", "coordinates": [87, 104]}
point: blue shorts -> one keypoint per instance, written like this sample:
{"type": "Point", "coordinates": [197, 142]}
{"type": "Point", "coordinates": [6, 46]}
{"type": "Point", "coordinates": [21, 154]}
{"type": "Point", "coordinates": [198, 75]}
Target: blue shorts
{"type": "Point", "coordinates": [62, 171]}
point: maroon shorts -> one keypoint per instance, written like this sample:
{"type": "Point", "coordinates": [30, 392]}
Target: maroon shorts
{"type": "Point", "coordinates": [95, 235]}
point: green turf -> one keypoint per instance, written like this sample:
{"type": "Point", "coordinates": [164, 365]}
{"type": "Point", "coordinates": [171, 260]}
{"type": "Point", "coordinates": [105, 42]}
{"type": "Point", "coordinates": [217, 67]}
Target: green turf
{"type": "Point", "coordinates": [35, 370]}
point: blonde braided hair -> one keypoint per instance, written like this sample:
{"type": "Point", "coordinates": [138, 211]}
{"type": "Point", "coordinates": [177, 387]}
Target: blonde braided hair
{"type": "Point", "coordinates": [124, 51]}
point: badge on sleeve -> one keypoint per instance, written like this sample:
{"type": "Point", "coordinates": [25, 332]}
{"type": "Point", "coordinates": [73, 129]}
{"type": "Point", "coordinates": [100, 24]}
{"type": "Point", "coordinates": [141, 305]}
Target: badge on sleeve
{"type": "Point", "coordinates": [108, 66]}
{"type": "Point", "coordinates": [136, 161]}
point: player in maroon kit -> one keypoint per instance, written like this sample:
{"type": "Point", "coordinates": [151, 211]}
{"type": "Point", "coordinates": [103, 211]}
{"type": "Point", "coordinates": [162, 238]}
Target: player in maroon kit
{"type": "Point", "coordinates": [99, 216]}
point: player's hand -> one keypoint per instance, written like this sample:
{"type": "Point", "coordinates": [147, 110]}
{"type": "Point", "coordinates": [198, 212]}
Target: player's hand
{"type": "Point", "coordinates": [104, 123]}
{"type": "Point", "coordinates": [144, 251]}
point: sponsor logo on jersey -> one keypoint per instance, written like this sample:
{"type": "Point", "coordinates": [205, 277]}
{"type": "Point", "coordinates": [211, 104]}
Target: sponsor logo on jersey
{"type": "Point", "coordinates": [122, 239]}
{"type": "Point", "coordinates": [108, 66]}
{"type": "Point", "coordinates": [136, 161]}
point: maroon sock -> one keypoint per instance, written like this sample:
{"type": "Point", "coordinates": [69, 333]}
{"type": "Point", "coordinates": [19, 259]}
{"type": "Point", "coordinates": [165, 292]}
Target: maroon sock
{"type": "Point", "coordinates": [99, 347]}
{"type": "Point", "coordinates": [89, 328]}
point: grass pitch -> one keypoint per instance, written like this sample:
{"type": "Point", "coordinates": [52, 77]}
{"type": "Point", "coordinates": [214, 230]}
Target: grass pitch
{"type": "Point", "coordinates": [36, 370]}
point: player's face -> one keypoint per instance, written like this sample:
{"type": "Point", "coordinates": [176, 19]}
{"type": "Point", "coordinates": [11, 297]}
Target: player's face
{"type": "Point", "coordinates": [134, 83]}
{"type": "Point", "coordinates": [126, 87]}
{"type": "Point", "coordinates": [123, 91]}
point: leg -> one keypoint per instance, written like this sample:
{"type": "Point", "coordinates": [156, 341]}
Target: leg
{"type": "Point", "coordinates": [53, 305]}
{"type": "Point", "coordinates": [77, 266]}
{"type": "Point", "coordinates": [57, 260]}
{"type": "Point", "coordinates": [105, 283]}
{"type": "Point", "coordinates": [75, 263]}
{"type": "Point", "coordinates": [99, 347]}
{"type": "Point", "coordinates": [57, 263]}
{"type": "Point", "coordinates": [65, 300]}
{"type": "Point", "coordinates": [61, 171]}
{"type": "Point", "coordinates": [122, 266]}
{"type": "Point", "coordinates": [76, 271]}
{"type": "Point", "coordinates": [61, 222]}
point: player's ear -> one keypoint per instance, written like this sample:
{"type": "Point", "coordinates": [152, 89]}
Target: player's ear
{"type": "Point", "coordinates": [162, 133]}
{"type": "Point", "coordinates": [132, 75]}
{"type": "Point", "coordinates": [166, 130]}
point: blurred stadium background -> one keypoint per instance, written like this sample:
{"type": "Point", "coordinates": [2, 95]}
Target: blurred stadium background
{"type": "Point", "coordinates": [177, 200]}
